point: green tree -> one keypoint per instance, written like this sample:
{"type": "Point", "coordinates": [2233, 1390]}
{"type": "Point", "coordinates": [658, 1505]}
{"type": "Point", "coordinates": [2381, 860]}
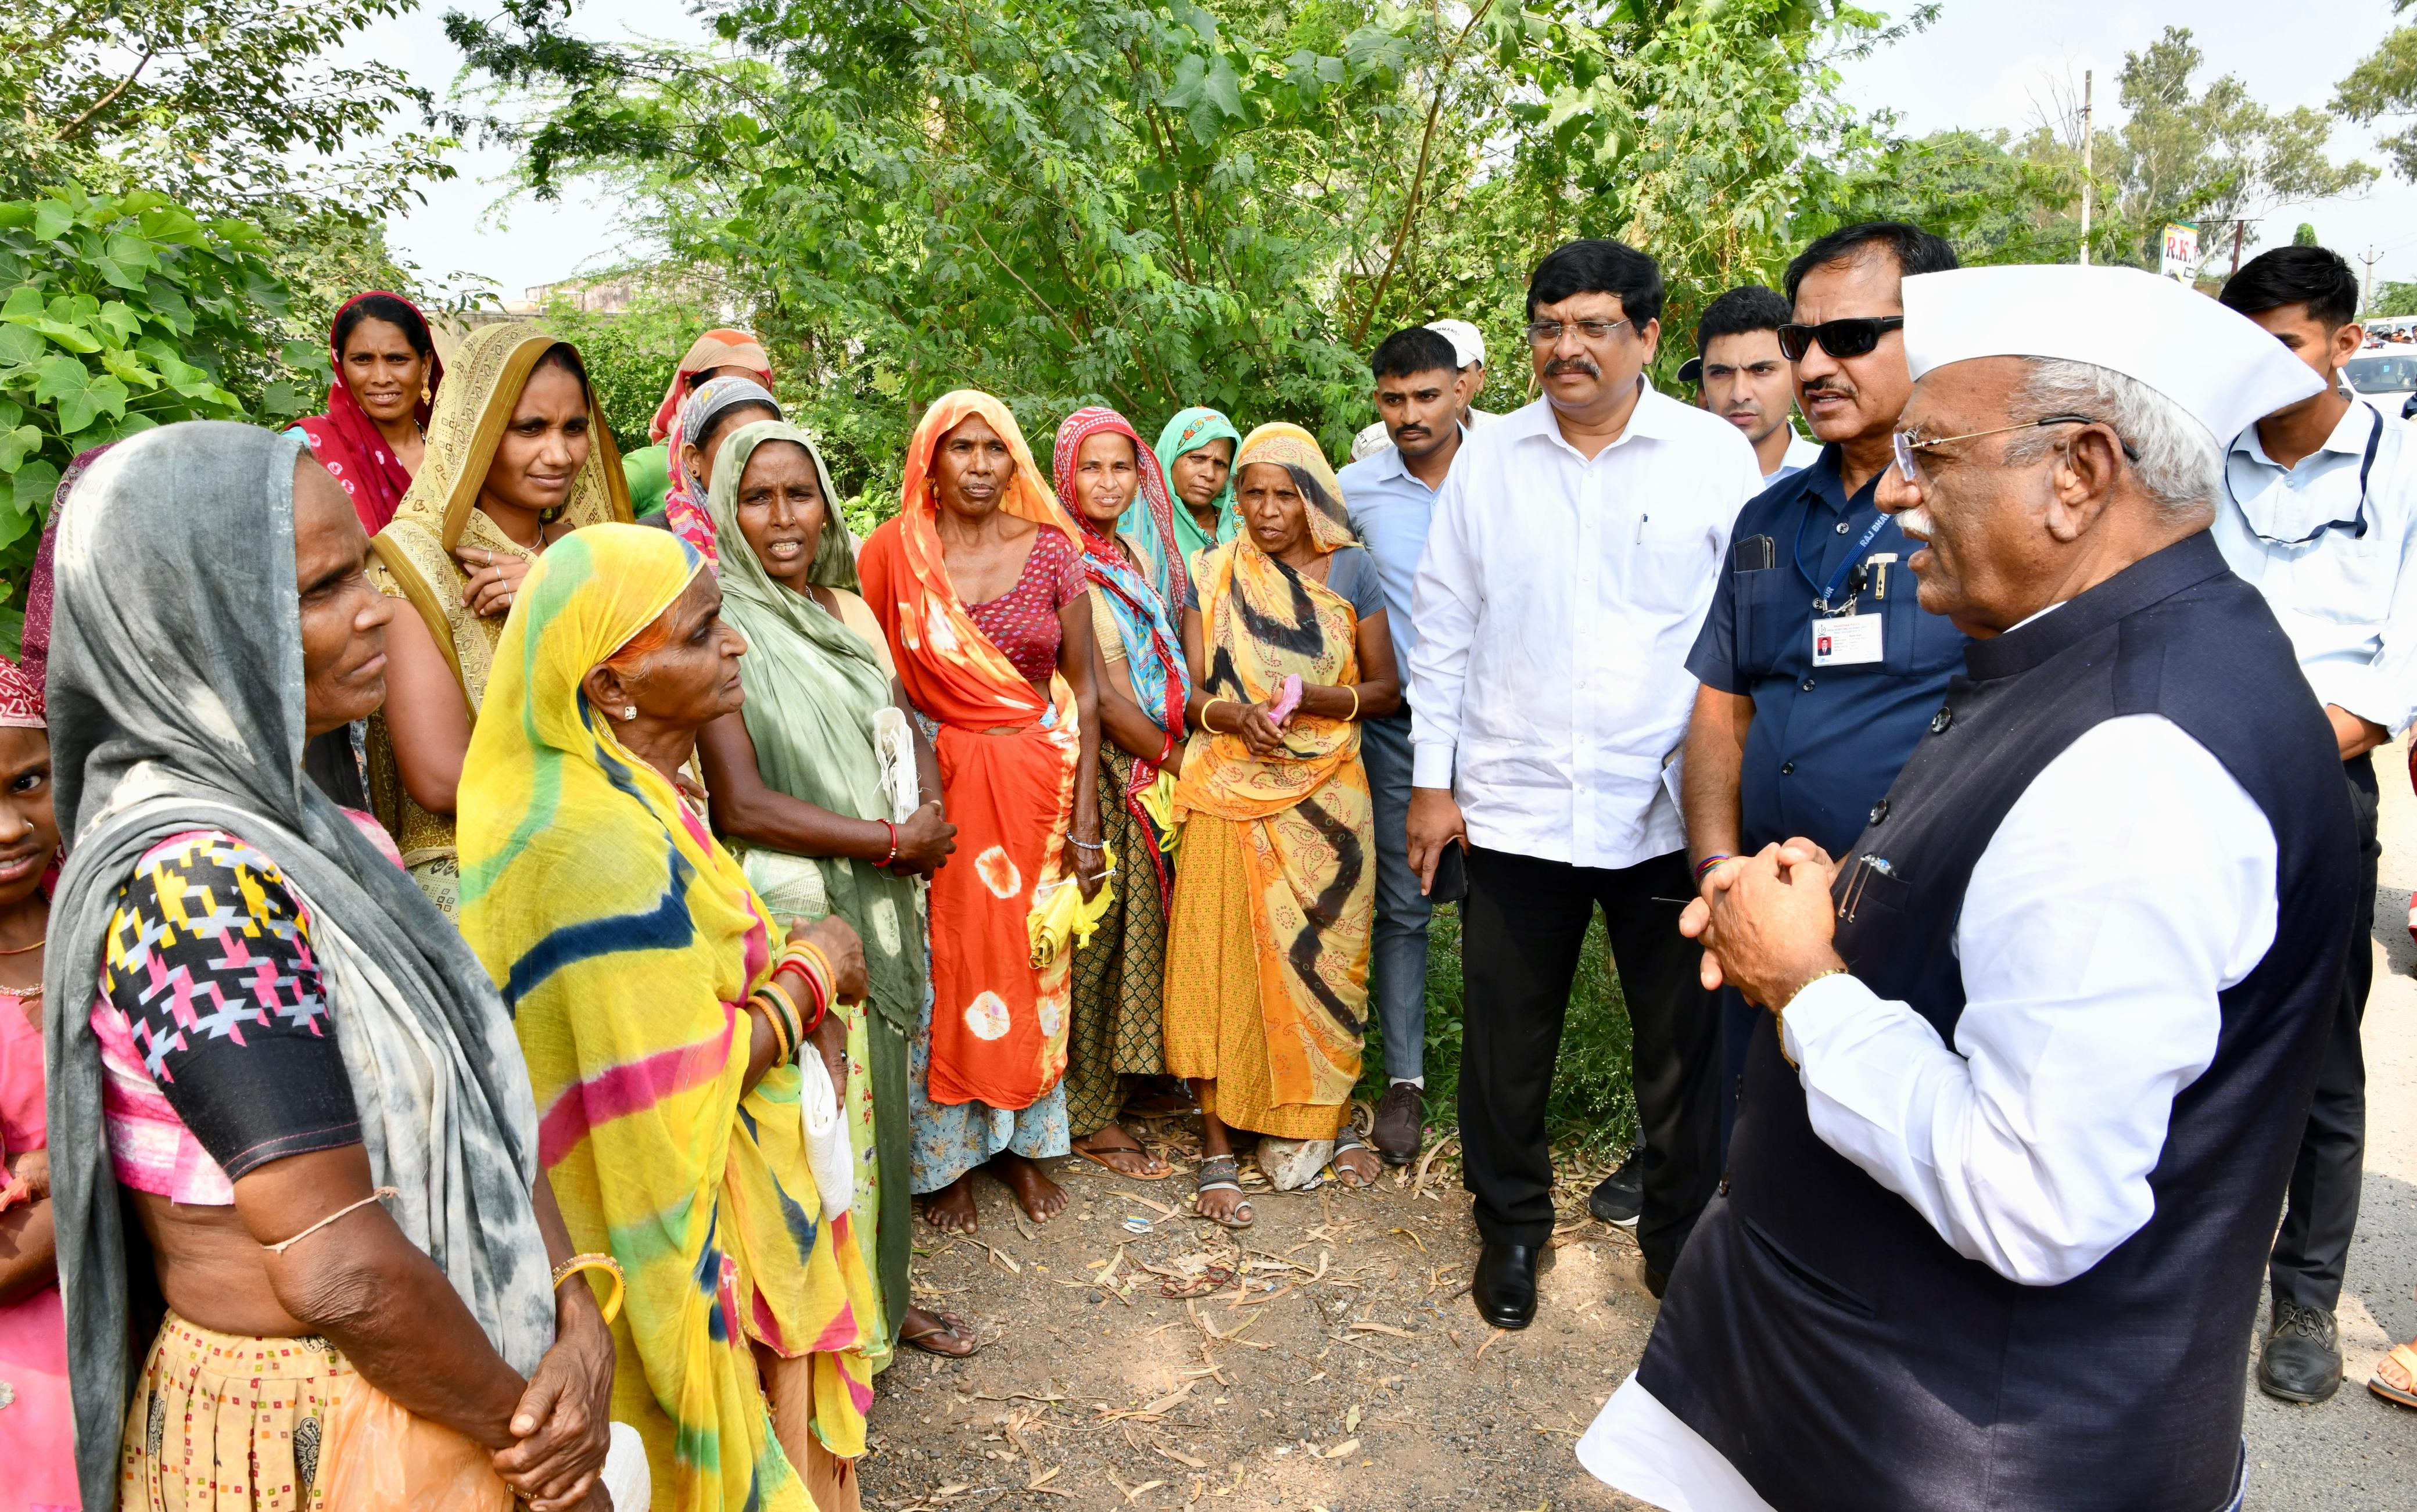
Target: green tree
{"type": "Point", "coordinates": [2393, 298]}
{"type": "Point", "coordinates": [631, 354]}
{"type": "Point", "coordinates": [231, 108]}
{"type": "Point", "coordinates": [1162, 204]}
{"type": "Point", "coordinates": [2306, 236]}
{"type": "Point", "coordinates": [123, 313]}
{"type": "Point", "coordinates": [2384, 87]}
{"type": "Point", "coordinates": [2212, 153]}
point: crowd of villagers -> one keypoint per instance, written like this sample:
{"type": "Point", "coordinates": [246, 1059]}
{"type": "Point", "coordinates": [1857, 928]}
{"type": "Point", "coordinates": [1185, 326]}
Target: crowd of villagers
{"type": "Point", "coordinates": [539, 922]}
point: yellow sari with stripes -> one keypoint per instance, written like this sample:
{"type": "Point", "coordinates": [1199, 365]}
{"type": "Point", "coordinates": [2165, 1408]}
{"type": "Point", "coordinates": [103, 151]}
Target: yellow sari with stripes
{"type": "Point", "coordinates": [626, 941]}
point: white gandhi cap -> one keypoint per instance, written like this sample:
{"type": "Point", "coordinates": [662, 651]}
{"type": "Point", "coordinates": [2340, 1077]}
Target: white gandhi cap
{"type": "Point", "coordinates": [2217, 365]}
{"type": "Point", "coordinates": [1467, 346]}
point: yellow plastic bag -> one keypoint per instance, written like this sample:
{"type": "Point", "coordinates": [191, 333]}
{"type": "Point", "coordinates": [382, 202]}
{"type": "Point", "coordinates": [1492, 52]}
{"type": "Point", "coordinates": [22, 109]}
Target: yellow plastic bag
{"type": "Point", "coordinates": [376, 1457]}
{"type": "Point", "coordinates": [1062, 918]}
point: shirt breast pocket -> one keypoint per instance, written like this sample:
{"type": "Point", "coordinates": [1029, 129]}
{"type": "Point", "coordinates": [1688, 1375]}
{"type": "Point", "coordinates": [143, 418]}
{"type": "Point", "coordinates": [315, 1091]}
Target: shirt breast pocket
{"type": "Point", "coordinates": [1772, 617]}
{"type": "Point", "coordinates": [2346, 580]}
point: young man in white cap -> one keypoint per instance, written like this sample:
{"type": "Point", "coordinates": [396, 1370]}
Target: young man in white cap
{"type": "Point", "coordinates": [2321, 516]}
{"type": "Point", "coordinates": [1468, 351]}
{"type": "Point", "coordinates": [2040, 1048]}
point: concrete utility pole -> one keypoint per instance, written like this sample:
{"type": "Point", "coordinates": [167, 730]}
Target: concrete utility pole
{"type": "Point", "coordinates": [2088, 136]}
{"type": "Point", "coordinates": [2366, 288]}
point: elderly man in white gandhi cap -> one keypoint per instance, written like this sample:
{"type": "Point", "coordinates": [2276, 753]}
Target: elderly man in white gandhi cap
{"type": "Point", "coordinates": [2016, 1125]}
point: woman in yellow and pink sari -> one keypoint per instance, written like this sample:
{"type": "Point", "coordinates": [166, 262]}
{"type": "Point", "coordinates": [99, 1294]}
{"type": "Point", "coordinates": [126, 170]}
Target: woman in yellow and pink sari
{"type": "Point", "coordinates": [1267, 952]}
{"type": "Point", "coordinates": [682, 1056]}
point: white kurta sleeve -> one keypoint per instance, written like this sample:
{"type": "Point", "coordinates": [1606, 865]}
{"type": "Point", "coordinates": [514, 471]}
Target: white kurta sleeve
{"type": "Point", "coordinates": [1445, 602]}
{"type": "Point", "coordinates": [2132, 881]}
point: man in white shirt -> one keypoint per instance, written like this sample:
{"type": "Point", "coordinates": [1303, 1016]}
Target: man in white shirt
{"type": "Point", "coordinates": [2321, 516]}
{"type": "Point", "coordinates": [1469, 351]}
{"type": "Point", "coordinates": [1573, 548]}
{"type": "Point", "coordinates": [1746, 379]}
{"type": "Point", "coordinates": [2040, 1046]}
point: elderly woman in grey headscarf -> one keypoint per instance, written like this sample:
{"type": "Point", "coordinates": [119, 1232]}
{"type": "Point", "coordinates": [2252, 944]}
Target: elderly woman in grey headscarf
{"type": "Point", "coordinates": [261, 1029]}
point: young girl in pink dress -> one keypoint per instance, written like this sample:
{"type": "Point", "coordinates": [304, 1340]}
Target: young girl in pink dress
{"type": "Point", "coordinates": [36, 1429]}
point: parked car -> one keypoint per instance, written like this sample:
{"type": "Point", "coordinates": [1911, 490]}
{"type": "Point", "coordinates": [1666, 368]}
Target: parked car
{"type": "Point", "coordinates": [2383, 375]}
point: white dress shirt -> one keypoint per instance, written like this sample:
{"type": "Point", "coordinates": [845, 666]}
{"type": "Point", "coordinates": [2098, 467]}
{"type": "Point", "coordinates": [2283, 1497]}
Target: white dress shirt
{"type": "Point", "coordinates": [2132, 881]}
{"type": "Point", "coordinates": [2348, 603]}
{"type": "Point", "coordinates": [1800, 454]}
{"type": "Point", "coordinates": [1556, 606]}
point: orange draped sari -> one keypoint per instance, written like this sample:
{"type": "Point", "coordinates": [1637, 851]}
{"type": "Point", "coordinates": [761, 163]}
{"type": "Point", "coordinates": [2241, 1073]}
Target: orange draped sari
{"type": "Point", "coordinates": [998, 1024]}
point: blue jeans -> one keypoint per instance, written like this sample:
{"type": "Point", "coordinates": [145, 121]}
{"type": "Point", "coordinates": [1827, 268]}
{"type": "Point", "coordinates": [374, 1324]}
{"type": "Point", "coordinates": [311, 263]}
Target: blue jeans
{"type": "Point", "coordinates": [1397, 971]}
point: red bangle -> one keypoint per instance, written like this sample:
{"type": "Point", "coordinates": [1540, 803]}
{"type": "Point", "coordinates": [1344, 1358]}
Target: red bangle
{"type": "Point", "coordinates": [813, 990]}
{"type": "Point", "coordinates": [894, 844]}
{"type": "Point", "coordinates": [1166, 750]}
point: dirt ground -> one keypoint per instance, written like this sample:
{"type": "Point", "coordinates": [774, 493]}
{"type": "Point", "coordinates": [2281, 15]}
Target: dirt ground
{"type": "Point", "coordinates": [1326, 1358]}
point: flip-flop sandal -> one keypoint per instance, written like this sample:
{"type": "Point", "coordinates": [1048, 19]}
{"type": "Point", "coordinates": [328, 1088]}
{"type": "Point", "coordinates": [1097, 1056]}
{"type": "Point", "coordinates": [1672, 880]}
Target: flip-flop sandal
{"type": "Point", "coordinates": [2405, 1356]}
{"type": "Point", "coordinates": [1222, 1173]}
{"type": "Point", "coordinates": [1346, 1140]}
{"type": "Point", "coordinates": [1100, 1158]}
{"type": "Point", "coordinates": [952, 1326]}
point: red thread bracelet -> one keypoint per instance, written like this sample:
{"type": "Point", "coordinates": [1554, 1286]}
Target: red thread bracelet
{"type": "Point", "coordinates": [894, 844]}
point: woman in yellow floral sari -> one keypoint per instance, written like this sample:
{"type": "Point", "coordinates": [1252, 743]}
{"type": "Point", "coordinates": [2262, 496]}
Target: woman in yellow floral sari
{"type": "Point", "coordinates": [517, 457]}
{"type": "Point", "coordinates": [1267, 952]}
{"type": "Point", "coordinates": [683, 1060]}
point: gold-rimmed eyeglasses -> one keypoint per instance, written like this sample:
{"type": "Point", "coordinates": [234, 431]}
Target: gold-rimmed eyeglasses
{"type": "Point", "coordinates": [1905, 443]}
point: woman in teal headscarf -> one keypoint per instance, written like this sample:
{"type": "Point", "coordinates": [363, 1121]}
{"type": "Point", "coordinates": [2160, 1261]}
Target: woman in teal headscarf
{"type": "Point", "coordinates": [1196, 453]}
{"type": "Point", "coordinates": [808, 777]}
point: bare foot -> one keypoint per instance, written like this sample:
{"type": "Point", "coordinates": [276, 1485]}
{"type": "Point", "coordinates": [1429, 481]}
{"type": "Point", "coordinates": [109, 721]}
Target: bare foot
{"type": "Point", "coordinates": [936, 1333]}
{"type": "Point", "coordinates": [1112, 1147]}
{"type": "Point", "coordinates": [1040, 1198]}
{"type": "Point", "coordinates": [1357, 1167]}
{"type": "Point", "coordinates": [951, 1209]}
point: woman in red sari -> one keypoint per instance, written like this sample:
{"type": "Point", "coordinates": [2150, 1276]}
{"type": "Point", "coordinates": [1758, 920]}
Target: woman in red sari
{"type": "Point", "coordinates": [978, 585]}
{"type": "Point", "coordinates": [386, 373]}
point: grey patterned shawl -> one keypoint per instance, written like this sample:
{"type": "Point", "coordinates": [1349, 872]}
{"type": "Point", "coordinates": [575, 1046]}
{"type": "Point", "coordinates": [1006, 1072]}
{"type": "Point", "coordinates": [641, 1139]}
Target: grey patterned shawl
{"type": "Point", "coordinates": [176, 703]}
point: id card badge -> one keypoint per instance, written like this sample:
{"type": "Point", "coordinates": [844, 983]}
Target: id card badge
{"type": "Point", "coordinates": [1846, 640]}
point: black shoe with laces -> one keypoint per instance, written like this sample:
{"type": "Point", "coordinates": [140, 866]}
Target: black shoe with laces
{"type": "Point", "coordinates": [1619, 1199]}
{"type": "Point", "coordinates": [2302, 1360]}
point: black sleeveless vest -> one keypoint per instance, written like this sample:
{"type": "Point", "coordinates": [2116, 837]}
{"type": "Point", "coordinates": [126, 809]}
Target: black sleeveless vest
{"type": "Point", "coordinates": [1819, 1334]}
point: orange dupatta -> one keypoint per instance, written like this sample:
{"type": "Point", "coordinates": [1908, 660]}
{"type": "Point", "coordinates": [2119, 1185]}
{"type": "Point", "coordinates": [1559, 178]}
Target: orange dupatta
{"type": "Point", "coordinates": [999, 1025]}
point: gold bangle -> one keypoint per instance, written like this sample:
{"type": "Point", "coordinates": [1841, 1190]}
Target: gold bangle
{"type": "Point", "coordinates": [791, 1025]}
{"type": "Point", "coordinates": [612, 1303]}
{"type": "Point", "coordinates": [1354, 705]}
{"type": "Point", "coordinates": [1779, 1014]}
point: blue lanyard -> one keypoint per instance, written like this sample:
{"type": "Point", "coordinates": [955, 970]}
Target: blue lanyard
{"type": "Point", "coordinates": [2365, 465]}
{"type": "Point", "coordinates": [1824, 592]}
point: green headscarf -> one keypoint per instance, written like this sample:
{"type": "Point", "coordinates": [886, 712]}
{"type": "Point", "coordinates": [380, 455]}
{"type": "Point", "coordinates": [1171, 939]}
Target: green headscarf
{"type": "Point", "coordinates": [814, 687]}
{"type": "Point", "coordinates": [1189, 430]}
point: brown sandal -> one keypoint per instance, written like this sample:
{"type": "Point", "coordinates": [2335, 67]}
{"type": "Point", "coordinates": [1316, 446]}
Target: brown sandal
{"type": "Point", "coordinates": [1100, 1158]}
{"type": "Point", "coordinates": [2403, 1358]}
{"type": "Point", "coordinates": [952, 1326]}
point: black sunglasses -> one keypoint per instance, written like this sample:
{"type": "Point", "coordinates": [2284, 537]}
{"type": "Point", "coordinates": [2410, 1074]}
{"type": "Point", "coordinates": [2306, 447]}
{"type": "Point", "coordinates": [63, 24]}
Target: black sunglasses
{"type": "Point", "coordinates": [1839, 338]}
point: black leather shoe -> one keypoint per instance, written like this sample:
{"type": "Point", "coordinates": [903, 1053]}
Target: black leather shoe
{"type": "Point", "coordinates": [2302, 1360]}
{"type": "Point", "coordinates": [1400, 1117]}
{"type": "Point", "coordinates": [1619, 1200]}
{"type": "Point", "coordinates": [1504, 1287]}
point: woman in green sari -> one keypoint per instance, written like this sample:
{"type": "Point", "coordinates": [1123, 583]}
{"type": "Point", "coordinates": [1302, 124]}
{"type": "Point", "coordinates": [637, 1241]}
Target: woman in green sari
{"type": "Point", "coordinates": [834, 798]}
{"type": "Point", "coordinates": [1195, 452]}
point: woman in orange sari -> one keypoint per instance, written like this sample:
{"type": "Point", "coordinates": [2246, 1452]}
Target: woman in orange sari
{"type": "Point", "coordinates": [1266, 950]}
{"type": "Point", "coordinates": [978, 585]}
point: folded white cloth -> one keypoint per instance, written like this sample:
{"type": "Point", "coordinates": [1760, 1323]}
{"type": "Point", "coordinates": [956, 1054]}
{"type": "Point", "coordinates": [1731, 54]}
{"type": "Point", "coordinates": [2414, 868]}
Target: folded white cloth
{"type": "Point", "coordinates": [625, 1478]}
{"type": "Point", "coordinates": [828, 1151]}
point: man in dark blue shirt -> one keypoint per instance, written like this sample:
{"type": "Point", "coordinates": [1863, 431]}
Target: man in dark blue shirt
{"type": "Point", "coordinates": [1819, 669]}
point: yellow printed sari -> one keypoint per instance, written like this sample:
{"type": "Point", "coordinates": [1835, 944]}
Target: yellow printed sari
{"type": "Point", "coordinates": [1267, 980]}
{"type": "Point", "coordinates": [414, 557]}
{"type": "Point", "coordinates": [626, 941]}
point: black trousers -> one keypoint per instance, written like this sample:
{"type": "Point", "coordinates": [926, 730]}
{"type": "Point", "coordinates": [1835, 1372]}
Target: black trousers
{"type": "Point", "coordinates": [1521, 931]}
{"type": "Point", "coordinates": [2321, 1211]}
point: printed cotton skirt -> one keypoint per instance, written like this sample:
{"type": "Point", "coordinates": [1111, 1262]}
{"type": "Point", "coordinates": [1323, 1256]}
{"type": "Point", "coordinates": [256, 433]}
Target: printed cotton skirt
{"type": "Point", "coordinates": [224, 1423]}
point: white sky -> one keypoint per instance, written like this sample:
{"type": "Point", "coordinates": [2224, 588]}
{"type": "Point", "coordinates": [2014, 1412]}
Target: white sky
{"type": "Point", "coordinates": [1984, 65]}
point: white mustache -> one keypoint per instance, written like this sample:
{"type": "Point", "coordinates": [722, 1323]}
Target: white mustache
{"type": "Point", "coordinates": [1915, 522]}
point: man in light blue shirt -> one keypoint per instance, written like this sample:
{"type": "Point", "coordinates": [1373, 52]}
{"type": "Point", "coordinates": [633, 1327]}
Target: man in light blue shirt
{"type": "Point", "coordinates": [2320, 517]}
{"type": "Point", "coordinates": [1392, 495]}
